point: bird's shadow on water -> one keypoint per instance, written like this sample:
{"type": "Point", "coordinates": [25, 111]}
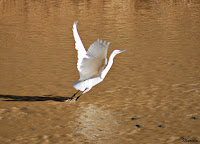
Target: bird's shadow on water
{"type": "Point", "coordinates": [33, 98]}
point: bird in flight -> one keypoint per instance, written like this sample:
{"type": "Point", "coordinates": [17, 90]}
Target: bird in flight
{"type": "Point", "coordinates": [91, 64]}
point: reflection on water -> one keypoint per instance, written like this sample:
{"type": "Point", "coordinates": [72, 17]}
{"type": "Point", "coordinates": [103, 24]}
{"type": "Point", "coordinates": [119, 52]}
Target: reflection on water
{"type": "Point", "coordinates": [95, 123]}
{"type": "Point", "coordinates": [157, 79]}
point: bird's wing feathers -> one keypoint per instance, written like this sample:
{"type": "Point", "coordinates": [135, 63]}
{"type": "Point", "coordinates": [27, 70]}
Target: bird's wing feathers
{"type": "Point", "coordinates": [93, 64]}
{"type": "Point", "coordinates": [81, 52]}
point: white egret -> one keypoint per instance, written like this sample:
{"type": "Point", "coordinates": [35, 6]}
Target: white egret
{"type": "Point", "coordinates": [91, 64]}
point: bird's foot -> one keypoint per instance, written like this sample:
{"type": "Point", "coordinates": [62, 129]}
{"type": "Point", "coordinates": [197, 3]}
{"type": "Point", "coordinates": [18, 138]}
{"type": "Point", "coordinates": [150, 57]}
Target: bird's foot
{"type": "Point", "coordinates": [70, 100]}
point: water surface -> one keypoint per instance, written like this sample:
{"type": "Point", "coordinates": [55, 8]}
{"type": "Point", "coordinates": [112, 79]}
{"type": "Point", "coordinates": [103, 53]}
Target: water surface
{"type": "Point", "coordinates": [157, 80]}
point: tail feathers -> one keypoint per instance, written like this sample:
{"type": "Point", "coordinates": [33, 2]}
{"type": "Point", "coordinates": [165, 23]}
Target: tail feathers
{"type": "Point", "coordinates": [79, 85]}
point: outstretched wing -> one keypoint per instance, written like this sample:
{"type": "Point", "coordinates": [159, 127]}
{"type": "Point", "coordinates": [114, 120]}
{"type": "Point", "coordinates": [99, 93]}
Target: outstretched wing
{"type": "Point", "coordinates": [81, 53]}
{"type": "Point", "coordinates": [96, 58]}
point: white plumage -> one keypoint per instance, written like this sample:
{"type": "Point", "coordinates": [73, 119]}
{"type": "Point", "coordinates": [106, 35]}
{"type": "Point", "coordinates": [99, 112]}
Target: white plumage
{"type": "Point", "coordinates": [91, 64]}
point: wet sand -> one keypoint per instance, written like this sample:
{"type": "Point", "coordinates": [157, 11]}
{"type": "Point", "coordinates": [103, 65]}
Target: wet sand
{"type": "Point", "coordinates": [150, 95]}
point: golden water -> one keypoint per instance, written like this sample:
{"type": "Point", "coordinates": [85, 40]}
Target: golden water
{"type": "Point", "coordinates": [157, 80]}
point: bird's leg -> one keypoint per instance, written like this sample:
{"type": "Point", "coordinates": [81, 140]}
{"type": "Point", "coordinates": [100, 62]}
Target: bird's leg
{"type": "Point", "coordinates": [86, 90]}
{"type": "Point", "coordinates": [78, 97]}
{"type": "Point", "coordinates": [74, 94]}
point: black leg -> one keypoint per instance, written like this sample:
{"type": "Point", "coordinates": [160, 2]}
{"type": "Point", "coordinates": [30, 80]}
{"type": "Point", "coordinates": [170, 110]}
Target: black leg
{"type": "Point", "coordinates": [78, 97]}
{"type": "Point", "coordinates": [74, 94]}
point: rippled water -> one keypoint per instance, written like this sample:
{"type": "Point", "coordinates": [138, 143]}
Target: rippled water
{"type": "Point", "coordinates": [37, 46]}
{"type": "Point", "coordinates": [157, 79]}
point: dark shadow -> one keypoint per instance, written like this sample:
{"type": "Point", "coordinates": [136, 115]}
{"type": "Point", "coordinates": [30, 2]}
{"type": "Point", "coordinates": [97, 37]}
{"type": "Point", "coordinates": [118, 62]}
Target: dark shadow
{"type": "Point", "coordinates": [33, 98]}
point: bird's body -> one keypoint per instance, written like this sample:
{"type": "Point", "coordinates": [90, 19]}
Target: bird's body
{"type": "Point", "coordinates": [86, 85]}
{"type": "Point", "coordinates": [91, 64]}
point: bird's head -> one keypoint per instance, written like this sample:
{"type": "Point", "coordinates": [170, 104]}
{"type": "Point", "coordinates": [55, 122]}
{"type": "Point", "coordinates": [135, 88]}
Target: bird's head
{"type": "Point", "coordinates": [118, 51]}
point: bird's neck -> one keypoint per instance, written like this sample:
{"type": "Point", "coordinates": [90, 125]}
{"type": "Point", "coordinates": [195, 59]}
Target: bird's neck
{"type": "Point", "coordinates": [109, 65]}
